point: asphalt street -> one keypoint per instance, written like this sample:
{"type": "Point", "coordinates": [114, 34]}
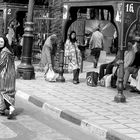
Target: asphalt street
{"type": "Point", "coordinates": [31, 123]}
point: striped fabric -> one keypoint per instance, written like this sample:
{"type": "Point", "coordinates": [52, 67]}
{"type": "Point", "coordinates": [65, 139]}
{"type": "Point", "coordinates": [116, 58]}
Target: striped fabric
{"type": "Point", "coordinates": [7, 77]}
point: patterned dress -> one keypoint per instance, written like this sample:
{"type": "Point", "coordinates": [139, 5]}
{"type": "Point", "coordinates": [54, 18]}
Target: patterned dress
{"type": "Point", "coordinates": [7, 79]}
{"type": "Point", "coordinates": [74, 55]}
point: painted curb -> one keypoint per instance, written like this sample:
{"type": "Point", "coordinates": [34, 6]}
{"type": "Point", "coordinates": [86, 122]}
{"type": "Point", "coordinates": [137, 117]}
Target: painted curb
{"type": "Point", "coordinates": [74, 118]}
{"type": "Point", "coordinates": [94, 129]}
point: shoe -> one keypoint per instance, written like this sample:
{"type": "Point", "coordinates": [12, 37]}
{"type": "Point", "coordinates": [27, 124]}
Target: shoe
{"type": "Point", "coordinates": [134, 90]}
{"type": "Point", "coordinates": [75, 82]}
{"type": "Point", "coordinates": [2, 113]}
{"type": "Point", "coordinates": [11, 113]}
{"type": "Point", "coordinates": [114, 86]}
{"type": "Point", "coordinates": [95, 64]}
{"type": "Point", "coordinates": [10, 116]}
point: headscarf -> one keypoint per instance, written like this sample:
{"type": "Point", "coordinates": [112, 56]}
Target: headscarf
{"type": "Point", "coordinates": [72, 39]}
{"type": "Point", "coordinates": [6, 44]}
{"type": "Point", "coordinates": [49, 40]}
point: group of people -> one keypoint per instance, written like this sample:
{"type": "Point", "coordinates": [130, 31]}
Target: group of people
{"type": "Point", "coordinates": [131, 67]}
{"type": "Point", "coordinates": [71, 51]}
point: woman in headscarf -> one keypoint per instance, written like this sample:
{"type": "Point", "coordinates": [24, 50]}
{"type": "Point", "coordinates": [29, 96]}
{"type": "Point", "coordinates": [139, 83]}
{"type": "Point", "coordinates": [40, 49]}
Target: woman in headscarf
{"type": "Point", "coordinates": [74, 56]}
{"type": "Point", "coordinates": [48, 52]}
{"type": "Point", "coordinates": [7, 78]}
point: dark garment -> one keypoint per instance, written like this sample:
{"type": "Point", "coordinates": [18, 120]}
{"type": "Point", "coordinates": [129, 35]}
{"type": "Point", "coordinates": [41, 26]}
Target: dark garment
{"type": "Point", "coordinates": [17, 51]}
{"type": "Point", "coordinates": [96, 52]}
{"type": "Point", "coordinates": [108, 67]}
{"type": "Point", "coordinates": [136, 62]}
{"type": "Point", "coordinates": [76, 75]}
{"type": "Point", "coordinates": [117, 57]}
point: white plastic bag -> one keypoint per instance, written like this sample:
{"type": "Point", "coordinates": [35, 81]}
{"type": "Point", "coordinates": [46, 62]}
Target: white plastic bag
{"type": "Point", "coordinates": [50, 75]}
{"type": "Point", "coordinates": [106, 80]}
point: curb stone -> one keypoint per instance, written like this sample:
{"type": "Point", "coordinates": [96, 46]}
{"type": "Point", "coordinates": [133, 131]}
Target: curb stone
{"type": "Point", "coordinates": [101, 132]}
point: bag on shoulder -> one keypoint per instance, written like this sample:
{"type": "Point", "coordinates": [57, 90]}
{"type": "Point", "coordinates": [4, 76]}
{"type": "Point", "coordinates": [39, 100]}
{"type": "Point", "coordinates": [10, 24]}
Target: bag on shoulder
{"type": "Point", "coordinates": [50, 75]}
{"type": "Point", "coordinates": [92, 78]}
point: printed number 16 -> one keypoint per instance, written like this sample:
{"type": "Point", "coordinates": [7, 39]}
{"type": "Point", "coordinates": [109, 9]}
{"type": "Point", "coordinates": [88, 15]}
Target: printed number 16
{"type": "Point", "coordinates": [130, 8]}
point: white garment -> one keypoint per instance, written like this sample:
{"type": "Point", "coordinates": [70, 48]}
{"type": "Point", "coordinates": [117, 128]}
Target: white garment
{"type": "Point", "coordinates": [138, 83]}
{"type": "Point", "coordinates": [10, 35]}
{"type": "Point", "coordinates": [135, 82]}
{"type": "Point", "coordinates": [96, 40]}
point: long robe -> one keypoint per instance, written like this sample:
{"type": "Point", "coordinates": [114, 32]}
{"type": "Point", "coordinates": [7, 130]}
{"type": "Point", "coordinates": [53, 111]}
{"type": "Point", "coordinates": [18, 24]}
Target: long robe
{"type": "Point", "coordinates": [74, 55]}
{"type": "Point", "coordinates": [7, 78]}
{"type": "Point", "coordinates": [47, 54]}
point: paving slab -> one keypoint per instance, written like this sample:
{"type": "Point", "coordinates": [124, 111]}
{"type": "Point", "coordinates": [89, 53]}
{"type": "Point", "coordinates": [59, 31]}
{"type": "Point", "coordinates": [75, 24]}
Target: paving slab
{"type": "Point", "coordinates": [91, 108]}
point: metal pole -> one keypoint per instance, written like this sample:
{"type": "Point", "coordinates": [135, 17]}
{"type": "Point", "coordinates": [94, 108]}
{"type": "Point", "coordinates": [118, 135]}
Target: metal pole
{"type": "Point", "coordinates": [61, 63]}
{"type": "Point", "coordinates": [61, 55]}
{"type": "Point", "coordinates": [25, 69]}
{"type": "Point", "coordinates": [120, 96]}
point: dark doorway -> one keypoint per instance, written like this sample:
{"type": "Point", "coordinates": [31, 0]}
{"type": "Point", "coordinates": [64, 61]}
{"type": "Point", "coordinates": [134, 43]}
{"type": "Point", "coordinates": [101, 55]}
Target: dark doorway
{"type": "Point", "coordinates": [20, 18]}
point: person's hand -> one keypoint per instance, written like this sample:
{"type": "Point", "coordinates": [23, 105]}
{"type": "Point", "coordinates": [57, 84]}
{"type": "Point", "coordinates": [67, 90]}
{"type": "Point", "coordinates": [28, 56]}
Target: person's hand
{"type": "Point", "coordinates": [117, 63]}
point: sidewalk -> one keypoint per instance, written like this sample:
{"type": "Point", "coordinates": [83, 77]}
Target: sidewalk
{"type": "Point", "coordinates": [91, 108]}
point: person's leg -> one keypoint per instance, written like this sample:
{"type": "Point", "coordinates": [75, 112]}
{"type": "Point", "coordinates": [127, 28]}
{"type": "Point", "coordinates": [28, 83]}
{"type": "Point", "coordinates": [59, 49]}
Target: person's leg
{"type": "Point", "coordinates": [74, 73]}
{"type": "Point", "coordinates": [101, 70]}
{"type": "Point", "coordinates": [76, 76]}
{"type": "Point", "coordinates": [93, 54]}
{"type": "Point", "coordinates": [127, 73]}
{"type": "Point", "coordinates": [109, 68]}
{"type": "Point", "coordinates": [9, 110]}
{"type": "Point", "coordinates": [97, 54]}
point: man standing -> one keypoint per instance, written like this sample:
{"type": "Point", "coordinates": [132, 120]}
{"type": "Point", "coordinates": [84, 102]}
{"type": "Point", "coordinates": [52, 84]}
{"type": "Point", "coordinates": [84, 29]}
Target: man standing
{"type": "Point", "coordinates": [96, 44]}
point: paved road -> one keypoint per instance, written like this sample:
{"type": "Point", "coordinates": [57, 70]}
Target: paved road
{"type": "Point", "coordinates": [33, 124]}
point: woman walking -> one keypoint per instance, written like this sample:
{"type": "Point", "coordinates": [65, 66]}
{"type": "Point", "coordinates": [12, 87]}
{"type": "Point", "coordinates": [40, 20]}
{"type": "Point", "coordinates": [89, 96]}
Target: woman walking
{"type": "Point", "coordinates": [7, 78]}
{"type": "Point", "coordinates": [74, 56]}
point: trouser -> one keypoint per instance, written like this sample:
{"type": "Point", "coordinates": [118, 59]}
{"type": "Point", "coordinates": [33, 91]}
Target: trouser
{"type": "Point", "coordinates": [108, 67]}
{"type": "Point", "coordinates": [96, 53]}
{"type": "Point", "coordinates": [76, 74]}
{"type": "Point", "coordinates": [127, 72]}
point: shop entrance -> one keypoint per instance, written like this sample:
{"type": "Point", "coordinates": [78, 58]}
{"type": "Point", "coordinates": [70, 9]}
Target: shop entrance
{"type": "Point", "coordinates": [20, 21]}
{"type": "Point", "coordinates": [88, 18]}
